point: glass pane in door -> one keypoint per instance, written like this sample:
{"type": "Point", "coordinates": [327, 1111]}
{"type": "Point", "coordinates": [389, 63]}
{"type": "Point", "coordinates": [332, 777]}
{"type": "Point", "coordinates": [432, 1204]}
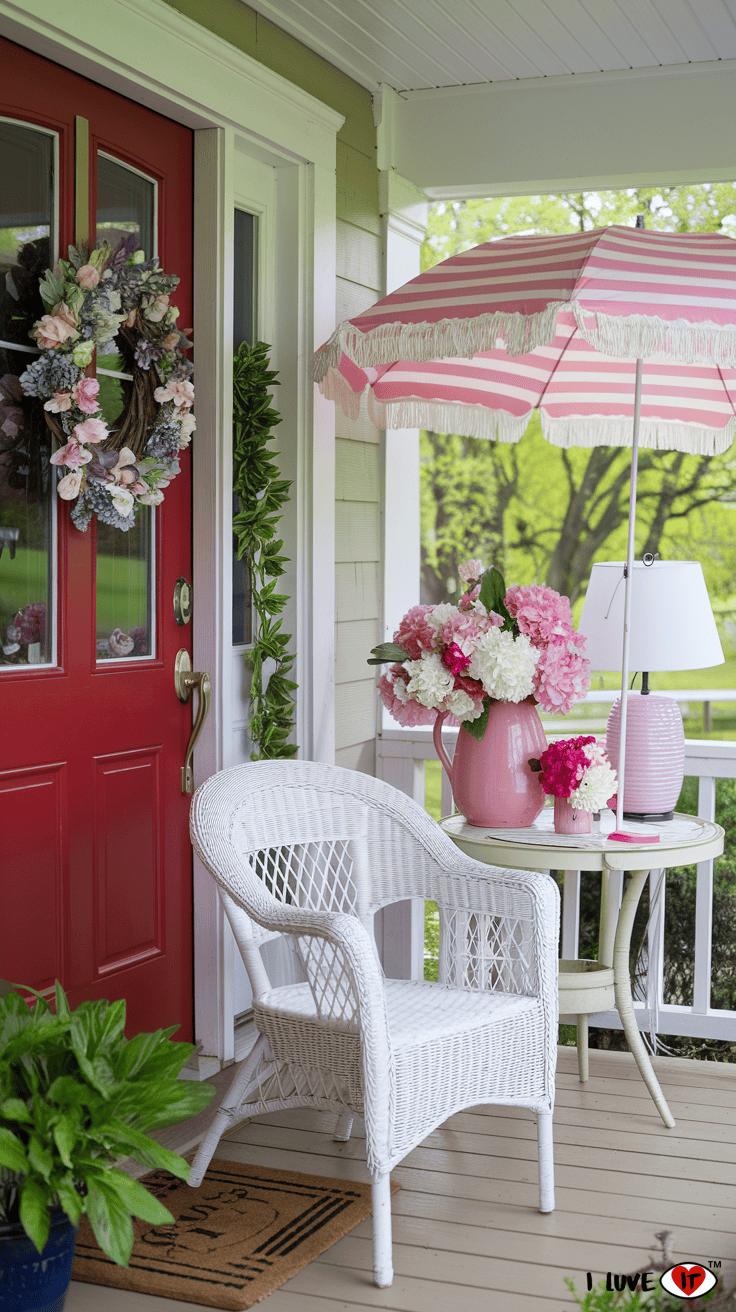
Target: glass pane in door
{"type": "Point", "coordinates": [126, 207]}
{"type": "Point", "coordinates": [27, 506]}
{"type": "Point", "coordinates": [125, 589]}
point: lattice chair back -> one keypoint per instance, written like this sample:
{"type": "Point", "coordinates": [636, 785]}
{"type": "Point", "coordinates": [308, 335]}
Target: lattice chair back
{"type": "Point", "coordinates": [306, 849]}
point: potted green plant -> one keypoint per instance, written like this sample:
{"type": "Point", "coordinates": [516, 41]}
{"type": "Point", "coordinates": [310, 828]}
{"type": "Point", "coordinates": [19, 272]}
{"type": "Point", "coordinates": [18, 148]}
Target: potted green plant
{"type": "Point", "coordinates": [77, 1097]}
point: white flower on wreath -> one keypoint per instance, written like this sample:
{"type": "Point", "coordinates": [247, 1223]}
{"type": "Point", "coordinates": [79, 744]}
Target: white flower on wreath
{"type": "Point", "coordinates": [188, 425]}
{"type": "Point", "coordinates": [430, 682]}
{"type": "Point", "coordinates": [122, 499]}
{"type": "Point", "coordinates": [504, 665]}
{"type": "Point", "coordinates": [152, 498]}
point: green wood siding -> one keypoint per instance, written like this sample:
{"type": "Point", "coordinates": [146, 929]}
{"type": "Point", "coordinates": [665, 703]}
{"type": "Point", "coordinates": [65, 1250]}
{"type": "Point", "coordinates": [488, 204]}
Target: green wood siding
{"type": "Point", "coordinates": [359, 283]}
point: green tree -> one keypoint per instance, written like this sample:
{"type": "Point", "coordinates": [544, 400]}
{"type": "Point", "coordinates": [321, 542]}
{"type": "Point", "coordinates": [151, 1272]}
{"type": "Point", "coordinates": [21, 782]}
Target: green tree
{"type": "Point", "coordinates": [547, 514]}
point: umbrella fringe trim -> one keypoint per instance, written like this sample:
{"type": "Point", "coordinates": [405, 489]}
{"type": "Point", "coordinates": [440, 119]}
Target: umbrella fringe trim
{"type": "Point", "coordinates": [446, 339]}
{"type": "Point", "coordinates": [460, 420]}
{"type": "Point", "coordinates": [336, 388]}
{"type": "Point", "coordinates": [654, 434]}
{"type": "Point", "coordinates": [639, 336]}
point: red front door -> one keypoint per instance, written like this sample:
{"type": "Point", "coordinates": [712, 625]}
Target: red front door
{"type": "Point", "coordinates": [95, 856]}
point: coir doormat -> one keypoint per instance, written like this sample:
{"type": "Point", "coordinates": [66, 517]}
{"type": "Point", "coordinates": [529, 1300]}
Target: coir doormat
{"type": "Point", "coordinates": [241, 1234]}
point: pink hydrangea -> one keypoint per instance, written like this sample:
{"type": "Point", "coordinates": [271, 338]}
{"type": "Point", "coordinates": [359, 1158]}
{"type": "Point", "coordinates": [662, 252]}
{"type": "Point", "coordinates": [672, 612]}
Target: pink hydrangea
{"type": "Point", "coordinates": [465, 629]}
{"type": "Point", "coordinates": [414, 634]}
{"type": "Point", "coordinates": [539, 611]}
{"type": "Point", "coordinates": [470, 570]}
{"type": "Point", "coordinates": [30, 623]}
{"type": "Point", "coordinates": [406, 712]}
{"type": "Point", "coordinates": [562, 676]}
{"type": "Point", "coordinates": [563, 765]}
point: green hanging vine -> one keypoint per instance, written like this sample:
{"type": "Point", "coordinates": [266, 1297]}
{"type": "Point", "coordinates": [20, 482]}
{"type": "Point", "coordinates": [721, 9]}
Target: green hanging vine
{"type": "Point", "coordinates": [262, 494]}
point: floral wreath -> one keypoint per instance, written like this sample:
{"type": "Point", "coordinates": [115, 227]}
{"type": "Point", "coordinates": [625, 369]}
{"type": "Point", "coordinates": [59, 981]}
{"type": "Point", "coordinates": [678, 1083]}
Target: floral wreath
{"type": "Point", "coordinates": [95, 300]}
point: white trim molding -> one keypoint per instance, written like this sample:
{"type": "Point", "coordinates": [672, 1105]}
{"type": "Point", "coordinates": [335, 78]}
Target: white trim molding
{"type": "Point", "coordinates": [233, 103]}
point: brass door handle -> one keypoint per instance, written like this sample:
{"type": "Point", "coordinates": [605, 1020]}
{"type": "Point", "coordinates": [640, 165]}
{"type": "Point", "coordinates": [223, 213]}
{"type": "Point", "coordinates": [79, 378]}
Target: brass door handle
{"type": "Point", "coordinates": [185, 681]}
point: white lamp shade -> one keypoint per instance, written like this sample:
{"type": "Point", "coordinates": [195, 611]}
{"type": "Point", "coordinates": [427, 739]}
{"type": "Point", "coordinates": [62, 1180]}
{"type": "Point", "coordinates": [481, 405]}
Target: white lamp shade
{"type": "Point", "coordinates": [672, 624]}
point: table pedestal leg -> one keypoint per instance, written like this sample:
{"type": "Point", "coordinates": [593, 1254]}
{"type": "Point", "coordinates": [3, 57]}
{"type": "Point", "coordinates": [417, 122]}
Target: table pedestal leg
{"type": "Point", "coordinates": [622, 988]}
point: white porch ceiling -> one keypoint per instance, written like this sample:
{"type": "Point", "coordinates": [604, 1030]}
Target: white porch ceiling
{"type": "Point", "coordinates": [412, 45]}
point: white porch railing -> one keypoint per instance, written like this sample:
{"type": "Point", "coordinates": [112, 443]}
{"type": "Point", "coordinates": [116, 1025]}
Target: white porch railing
{"type": "Point", "coordinates": [401, 760]}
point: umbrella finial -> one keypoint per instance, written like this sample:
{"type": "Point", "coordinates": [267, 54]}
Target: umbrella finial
{"type": "Point", "coordinates": [640, 221]}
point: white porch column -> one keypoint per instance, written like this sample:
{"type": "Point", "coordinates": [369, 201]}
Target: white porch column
{"type": "Point", "coordinates": [400, 929]}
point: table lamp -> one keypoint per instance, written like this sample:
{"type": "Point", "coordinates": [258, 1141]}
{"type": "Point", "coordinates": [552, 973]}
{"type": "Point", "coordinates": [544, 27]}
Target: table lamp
{"type": "Point", "coordinates": [672, 628]}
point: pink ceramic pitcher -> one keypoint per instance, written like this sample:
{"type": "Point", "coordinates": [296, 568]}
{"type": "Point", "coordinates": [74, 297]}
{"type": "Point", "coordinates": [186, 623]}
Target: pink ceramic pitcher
{"type": "Point", "coordinates": [491, 779]}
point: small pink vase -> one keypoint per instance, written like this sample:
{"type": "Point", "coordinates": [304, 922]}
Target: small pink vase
{"type": "Point", "coordinates": [491, 778]}
{"type": "Point", "coordinates": [570, 820]}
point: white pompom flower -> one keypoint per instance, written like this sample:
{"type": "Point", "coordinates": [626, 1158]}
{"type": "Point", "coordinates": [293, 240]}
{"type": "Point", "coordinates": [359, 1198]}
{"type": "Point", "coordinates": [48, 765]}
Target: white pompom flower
{"type": "Point", "coordinates": [597, 785]}
{"type": "Point", "coordinates": [504, 665]}
{"type": "Point", "coordinates": [430, 682]}
{"type": "Point", "coordinates": [464, 707]}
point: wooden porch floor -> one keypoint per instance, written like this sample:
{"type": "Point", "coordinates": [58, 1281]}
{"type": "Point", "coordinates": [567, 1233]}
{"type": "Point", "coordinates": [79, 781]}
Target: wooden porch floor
{"type": "Point", "coordinates": [467, 1235]}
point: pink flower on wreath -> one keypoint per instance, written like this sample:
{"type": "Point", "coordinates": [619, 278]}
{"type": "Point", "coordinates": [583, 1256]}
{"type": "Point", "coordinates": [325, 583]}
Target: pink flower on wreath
{"type": "Point", "coordinates": [85, 395]}
{"type": "Point", "coordinates": [68, 487]}
{"type": "Point", "coordinates": [53, 330]}
{"type": "Point", "coordinates": [91, 430]}
{"type": "Point", "coordinates": [178, 390]}
{"type": "Point", "coordinates": [72, 455]}
{"type": "Point", "coordinates": [414, 634]}
{"type": "Point", "coordinates": [562, 676]}
{"type": "Point", "coordinates": [88, 276]}
{"type": "Point", "coordinates": [539, 611]}
{"type": "Point", "coordinates": [59, 402]}
{"type": "Point", "coordinates": [404, 710]}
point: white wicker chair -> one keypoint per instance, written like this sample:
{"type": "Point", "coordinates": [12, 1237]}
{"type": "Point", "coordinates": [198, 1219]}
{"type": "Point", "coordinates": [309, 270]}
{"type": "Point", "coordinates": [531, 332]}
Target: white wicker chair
{"type": "Point", "coordinates": [312, 851]}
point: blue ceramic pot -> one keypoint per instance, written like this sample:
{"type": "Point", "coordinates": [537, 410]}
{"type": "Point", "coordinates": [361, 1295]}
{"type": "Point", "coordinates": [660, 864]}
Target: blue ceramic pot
{"type": "Point", "coordinates": [33, 1283]}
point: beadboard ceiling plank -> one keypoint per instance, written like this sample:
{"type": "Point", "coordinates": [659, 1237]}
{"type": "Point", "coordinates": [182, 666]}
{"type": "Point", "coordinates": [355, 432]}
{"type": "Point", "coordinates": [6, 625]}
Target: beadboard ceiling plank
{"type": "Point", "coordinates": [718, 25]}
{"type": "Point", "coordinates": [656, 32]}
{"type": "Point", "coordinates": [688, 32]}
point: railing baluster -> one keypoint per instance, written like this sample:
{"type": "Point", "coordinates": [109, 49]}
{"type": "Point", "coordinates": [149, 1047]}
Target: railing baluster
{"type": "Point", "coordinates": [570, 914]}
{"type": "Point", "coordinates": [704, 906]}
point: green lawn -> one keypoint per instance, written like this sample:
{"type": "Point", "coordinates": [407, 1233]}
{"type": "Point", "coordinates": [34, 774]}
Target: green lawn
{"type": "Point", "coordinates": [121, 588]}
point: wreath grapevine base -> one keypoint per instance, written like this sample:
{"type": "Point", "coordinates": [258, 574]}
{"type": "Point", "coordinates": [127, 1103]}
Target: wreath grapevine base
{"type": "Point", "coordinates": [112, 301]}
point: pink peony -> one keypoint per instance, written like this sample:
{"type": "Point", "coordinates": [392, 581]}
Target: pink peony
{"type": "Point", "coordinates": [406, 712]}
{"type": "Point", "coordinates": [72, 455]}
{"type": "Point", "coordinates": [562, 676]}
{"type": "Point", "coordinates": [178, 390]}
{"type": "Point", "coordinates": [414, 634]}
{"type": "Point", "coordinates": [539, 611]}
{"type": "Point", "coordinates": [54, 329]}
{"type": "Point", "coordinates": [470, 570]}
{"type": "Point", "coordinates": [85, 395]}
{"type": "Point", "coordinates": [88, 276]}
{"type": "Point", "coordinates": [59, 402]}
{"type": "Point", "coordinates": [91, 430]}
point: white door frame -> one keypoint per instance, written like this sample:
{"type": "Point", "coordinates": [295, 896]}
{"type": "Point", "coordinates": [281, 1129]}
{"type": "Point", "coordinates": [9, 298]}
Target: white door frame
{"type": "Point", "coordinates": [146, 50]}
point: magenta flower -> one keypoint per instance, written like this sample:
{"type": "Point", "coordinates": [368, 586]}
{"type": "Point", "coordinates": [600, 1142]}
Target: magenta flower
{"type": "Point", "coordinates": [455, 659]}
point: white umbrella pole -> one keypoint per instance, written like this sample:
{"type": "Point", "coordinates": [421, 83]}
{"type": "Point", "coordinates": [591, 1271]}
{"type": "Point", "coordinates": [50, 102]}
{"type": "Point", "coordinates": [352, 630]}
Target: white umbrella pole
{"type": "Point", "coordinates": [627, 599]}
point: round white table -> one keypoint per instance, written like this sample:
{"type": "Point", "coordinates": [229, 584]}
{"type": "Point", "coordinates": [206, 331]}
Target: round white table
{"type": "Point", "coordinates": [684, 840]}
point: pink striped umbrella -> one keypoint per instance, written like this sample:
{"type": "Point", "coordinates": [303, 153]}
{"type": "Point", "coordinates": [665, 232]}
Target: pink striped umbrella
{"type": "Point", "coordinates": [562, 324]}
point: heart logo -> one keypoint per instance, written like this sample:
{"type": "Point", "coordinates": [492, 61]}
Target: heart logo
{"type": "Point", "coordinates": [688, 1280]}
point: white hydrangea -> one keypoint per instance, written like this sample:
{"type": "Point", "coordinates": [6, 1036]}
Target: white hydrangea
{"type": "Point", "coordinates": [504, 665]}
{"type": "Point", "coordinates": [597, 784]}
{"type": "Point", "coordinates": [438, 617]}
{"type": "Point", "coordinates": [430, 682]}
{"type": "Point", "coordinates": [463, 706]}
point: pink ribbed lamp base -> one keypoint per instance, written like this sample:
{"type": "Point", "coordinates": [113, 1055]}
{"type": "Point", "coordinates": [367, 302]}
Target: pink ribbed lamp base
{"type": "Point", "coordinates": [655, 753]}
